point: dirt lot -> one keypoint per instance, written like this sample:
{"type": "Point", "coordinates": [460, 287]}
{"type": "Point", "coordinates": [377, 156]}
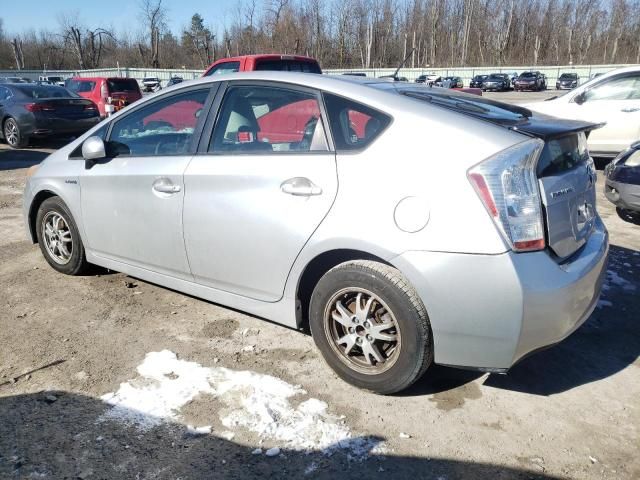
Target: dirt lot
{"type": "Point", "coordinates": [568, 412]}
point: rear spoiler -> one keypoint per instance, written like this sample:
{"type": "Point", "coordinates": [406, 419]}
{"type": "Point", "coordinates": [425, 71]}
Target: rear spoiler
{"type": "Point", "coordinates": [546, 128]}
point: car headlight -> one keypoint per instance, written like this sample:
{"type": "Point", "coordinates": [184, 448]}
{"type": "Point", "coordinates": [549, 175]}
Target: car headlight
{"type": "Point", "coordinates": [633, 160]}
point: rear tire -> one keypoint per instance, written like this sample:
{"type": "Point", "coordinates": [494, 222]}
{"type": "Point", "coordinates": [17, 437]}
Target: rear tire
{"type": "Point", "coordinates": [371, 326]}
{"type": "Point", "coordinates": [59, 238]}
{"type": "Point", "coordinates": [12, 134]}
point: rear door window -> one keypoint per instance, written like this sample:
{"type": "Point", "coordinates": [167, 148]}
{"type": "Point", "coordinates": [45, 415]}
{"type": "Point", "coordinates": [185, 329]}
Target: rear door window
{"type": "Point", "coordinates": [620, 88]}
{"type": "Point", "coordinates": [266, 119]}
{"type": "Point", "coordinates": [353, 125]}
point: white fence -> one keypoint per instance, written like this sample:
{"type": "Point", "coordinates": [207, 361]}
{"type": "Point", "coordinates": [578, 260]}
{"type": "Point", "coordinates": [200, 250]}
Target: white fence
{"type": "Point", "coordinates": [584, 72]}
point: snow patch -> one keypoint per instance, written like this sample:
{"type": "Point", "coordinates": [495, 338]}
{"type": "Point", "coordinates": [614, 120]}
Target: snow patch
{"type": "Point", "coordinates": [251, 401]}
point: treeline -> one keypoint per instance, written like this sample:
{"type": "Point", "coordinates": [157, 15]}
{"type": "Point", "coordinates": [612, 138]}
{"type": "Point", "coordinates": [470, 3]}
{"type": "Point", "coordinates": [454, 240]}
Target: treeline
{"type": "Point", "coordinates": [347, 34]}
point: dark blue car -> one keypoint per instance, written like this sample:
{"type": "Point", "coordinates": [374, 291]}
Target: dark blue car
{"type": "Point", "coordinates": [622, 184]}
{"type": "Point", "coordinates": [29, 110]}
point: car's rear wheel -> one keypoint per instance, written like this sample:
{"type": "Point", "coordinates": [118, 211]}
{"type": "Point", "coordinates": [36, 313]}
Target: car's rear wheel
{"type": "Point", "coordinates": [12, 134]}
{"type": "Point", "coordinates": [371, 327]}
{"type": "Point", "coordinates": [59, 239]}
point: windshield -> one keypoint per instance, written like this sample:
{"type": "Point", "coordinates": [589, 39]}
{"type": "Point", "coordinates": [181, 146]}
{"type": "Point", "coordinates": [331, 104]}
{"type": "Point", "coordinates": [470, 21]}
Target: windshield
{"type": "Point", "coordinates": [222, 68]}
{"type": "Point", "coordinates": [568, 76]}
{"type": "Point", "coordinates": [496, 77]}
{"type": "Point", "coordinates": [43, 91]}
{"type": "Point", "coordinates": [528, 75]}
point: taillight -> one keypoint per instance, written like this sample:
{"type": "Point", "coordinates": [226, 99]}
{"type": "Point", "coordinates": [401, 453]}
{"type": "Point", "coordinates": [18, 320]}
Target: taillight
{"type": "Point", "coordinates": [91, 107]}
{"type": "Point", "coordinates": [39, 107]}
{"type": "Point", "coordinates": [104, 91]}
{"type": "Point", "coordinates": [508, 187]}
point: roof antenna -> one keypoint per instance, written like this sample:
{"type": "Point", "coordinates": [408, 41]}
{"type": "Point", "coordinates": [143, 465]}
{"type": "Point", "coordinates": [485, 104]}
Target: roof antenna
{"type": "Point", "coordinates": [395, 74]}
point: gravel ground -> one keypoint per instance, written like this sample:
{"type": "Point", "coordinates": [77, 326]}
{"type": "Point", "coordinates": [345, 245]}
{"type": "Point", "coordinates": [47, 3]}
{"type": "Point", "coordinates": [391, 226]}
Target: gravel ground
{"type": "Point", "coordinates": [568, 412]}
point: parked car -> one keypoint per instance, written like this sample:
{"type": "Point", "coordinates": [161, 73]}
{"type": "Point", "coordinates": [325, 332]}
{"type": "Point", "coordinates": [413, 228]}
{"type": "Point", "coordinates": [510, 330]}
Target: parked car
{"type": "Point", "coordinates": [567, 81]}
{"type": "Point", "coordinates": [497, 82]}
{"type": "Point", "coordinates": [13, 80]}
{"type": "Point", "coordinates": [52, 80]}
{"type": "Point", "coordinates": [612, 98]}
{"type": "Point", "coordinates": [394, 78]}
{"type": "Point", "coordinates": [33, 111]}
{"type": "Point", "coordinates": [174, 81]}
{"type": "Point", "coordinates": [428, 78]}
{"type": "Point", "coordinates": [151, 84]}
{"type": "Point", "coordinates": [622, 184]}
{"type": "Point", "coordinates": [449, 82]}
{"type": "Point", "coordinates": [386, 292]}
{"type": "Point", "coordinates": [530, 81]}
{"type": "Point", "coordinates": [248, 63]}
{"type": "Point", "coordinates": [110, 94]}
{"type": "Point", "coordinates": [476, 82]}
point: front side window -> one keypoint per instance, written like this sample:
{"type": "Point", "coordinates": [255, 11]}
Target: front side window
{"type": "Point", "coordinates": [620, 88]}
{"type": "Point", "coordinates": [354, 126]}
{"type": "Point", "coordinates": [80, 86]}
{"type": "Point", "coordinates": [165, 127]}
{"type": "Point", "coordinates": [222, 68]}
{"type": "Point", "coordinates": [268, 119]}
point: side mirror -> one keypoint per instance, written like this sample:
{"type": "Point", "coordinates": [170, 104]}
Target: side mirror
{"type": "Point", "coordinates": [93, 149]}
{"type": "Point", "coordinates": [581, 98]}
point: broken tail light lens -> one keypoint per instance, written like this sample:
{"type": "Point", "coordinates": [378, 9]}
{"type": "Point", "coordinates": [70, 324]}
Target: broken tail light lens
{"type": "Point", "coordinates": [508, 187]}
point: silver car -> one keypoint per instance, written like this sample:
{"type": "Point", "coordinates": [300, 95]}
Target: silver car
{"type": "Point", "coordinates": [402, 226]}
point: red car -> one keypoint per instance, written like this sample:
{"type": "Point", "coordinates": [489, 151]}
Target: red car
{"type": "Point", "coordinates": [109, 94]}
{"type": "Point", "coordinates": [248, 63]}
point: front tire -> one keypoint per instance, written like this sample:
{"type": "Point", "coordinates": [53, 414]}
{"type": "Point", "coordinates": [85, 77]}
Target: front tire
{"type": "Point", "coordinates": [12, 134]}
{"type": "Point", "coordinates": [59, 239]}
{"type": "Point", "coordinates": [371, 326]}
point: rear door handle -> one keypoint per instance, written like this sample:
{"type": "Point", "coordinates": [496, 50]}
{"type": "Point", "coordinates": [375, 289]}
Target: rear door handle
{"type": "Point", "coordinates": [630, 109]}
{"type": "Point", "coordinates": [165, 185]}
{"type": "Point", "coordinates": [300, 187]}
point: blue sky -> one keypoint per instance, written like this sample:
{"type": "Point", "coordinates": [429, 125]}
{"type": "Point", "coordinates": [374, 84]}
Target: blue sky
{"type": "Point", "coordinates": [121, 15]}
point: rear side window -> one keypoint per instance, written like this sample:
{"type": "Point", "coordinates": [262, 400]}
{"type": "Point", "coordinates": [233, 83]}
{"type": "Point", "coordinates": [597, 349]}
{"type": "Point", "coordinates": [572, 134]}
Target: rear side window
{"type": "Point", "coordinates": [288, 66]}
{"type": "Point", "coordinates": [122, 85]}
{"type": "Point", "coordinates": [354, 126]}
{"type": "Point", "coordinates": [222, 68]}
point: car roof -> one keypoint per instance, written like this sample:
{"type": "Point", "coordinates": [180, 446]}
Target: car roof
{"type": "Point", "coordinates": [269, 56]}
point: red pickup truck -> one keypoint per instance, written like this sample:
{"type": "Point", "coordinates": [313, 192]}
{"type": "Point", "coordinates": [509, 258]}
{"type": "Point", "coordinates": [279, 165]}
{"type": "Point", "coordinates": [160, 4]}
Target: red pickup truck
{"type": "Point", "coordinates": [248, 63]}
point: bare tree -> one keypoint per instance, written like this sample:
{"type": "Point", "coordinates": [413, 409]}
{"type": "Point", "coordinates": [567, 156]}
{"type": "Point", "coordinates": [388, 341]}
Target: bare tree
{"type": "Point", "coordinates": [154, 15]}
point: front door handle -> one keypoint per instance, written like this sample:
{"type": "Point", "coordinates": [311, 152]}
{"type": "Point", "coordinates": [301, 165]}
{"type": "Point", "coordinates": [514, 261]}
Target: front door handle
{"type": "Point", "coordinates": [630, 109]}
{"type": "Point", "coordinates": [300, 187]}
{"type": "Point", "coordinates": [165, 185]}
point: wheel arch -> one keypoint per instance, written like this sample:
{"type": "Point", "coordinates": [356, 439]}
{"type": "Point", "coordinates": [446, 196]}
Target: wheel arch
{"type": "Point", "coordinates": [40, 197]}
{"type": "Point", "coordinates": [313, 272]}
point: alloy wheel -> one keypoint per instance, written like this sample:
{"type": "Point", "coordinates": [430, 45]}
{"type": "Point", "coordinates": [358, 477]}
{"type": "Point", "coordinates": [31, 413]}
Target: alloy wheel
{"type": "Point", "coordinates": [57, 238]}
{"type": "Point", "coordinates": [362, 331]}
{"type": "Point", "coordinates": [11, 133]}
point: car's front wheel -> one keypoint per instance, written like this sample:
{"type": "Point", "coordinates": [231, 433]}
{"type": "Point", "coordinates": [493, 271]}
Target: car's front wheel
{"type": "Point", "coordinates": [59, 239]}
{"type": "Point", "coordinates": [371, 327]}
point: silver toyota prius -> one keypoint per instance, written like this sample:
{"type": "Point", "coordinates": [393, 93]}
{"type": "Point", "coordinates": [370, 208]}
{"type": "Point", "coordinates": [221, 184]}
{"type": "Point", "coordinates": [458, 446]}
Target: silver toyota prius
{"type": "Point", "coordinates": [403, 225]}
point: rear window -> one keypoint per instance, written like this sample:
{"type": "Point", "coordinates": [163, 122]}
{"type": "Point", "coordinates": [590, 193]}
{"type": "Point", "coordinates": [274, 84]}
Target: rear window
{"type": "Point", "coordinates": [43, 91]}
{"type": "Point", "coordinates": [288, 66]}
{"type": "Point", "coordinates": [222, 68]}
{"type": "Point", "coordinates": [122, 85]}
{"type": "Point", "coordinates": [354, 126]}
{"type": "Point", "coordinates": [80, 86]}
{"type": "Point", "coordinates": [562, 154]}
